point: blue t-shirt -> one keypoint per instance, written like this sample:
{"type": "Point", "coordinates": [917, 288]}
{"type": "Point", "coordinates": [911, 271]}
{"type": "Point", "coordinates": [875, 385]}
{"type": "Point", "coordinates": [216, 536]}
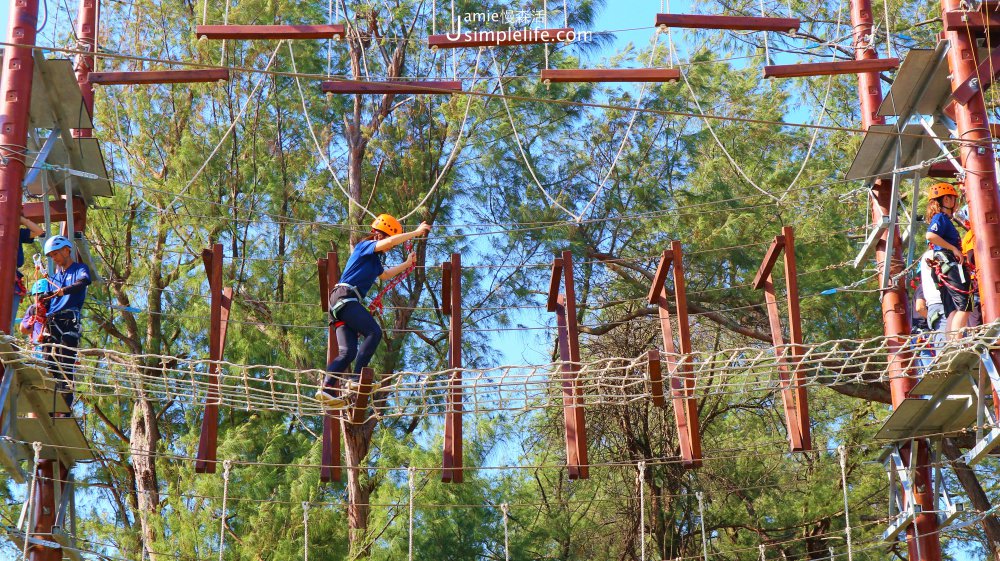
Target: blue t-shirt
{"type": "Point", "coordinates": [942, 226]}
{"type": "Point", "coordinates": [24, 238]}
{"type": "Point", "coordinates": [74, 273]}
{"type": "Point", "coordinates": [363, 267]}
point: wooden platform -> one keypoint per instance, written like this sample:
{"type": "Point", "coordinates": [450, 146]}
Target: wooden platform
{"type": "Point", "coordinates": [54, 542]}
{"type": "Point", "coordinates": [804, 70]}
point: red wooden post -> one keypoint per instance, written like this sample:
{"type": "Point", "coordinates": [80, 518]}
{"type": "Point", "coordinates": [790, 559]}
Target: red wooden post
{"type": "Point", "coordinates": [86, 34]}
{"type": "Point", "coordinates": [221, 302]}
{"type": "Point", "coordinates": [451, 291]}
{"type": "Point", "coordinates": [681, 377]}
{"type": "Point", "coordinates": [43, 513]}
{"type": "Point", "coordinates": [360, 408]}
{"type": "Point", "coordinates": [15, 95]}
{"type": "Point", "coordinates": [329, 275]}
{"type": "Point", "coordinates": [655, 378]}
{"type": "Point", "coordinates": [573, 327]}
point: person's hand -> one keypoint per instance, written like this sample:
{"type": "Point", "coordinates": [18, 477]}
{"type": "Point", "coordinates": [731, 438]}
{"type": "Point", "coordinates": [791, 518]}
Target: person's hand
{"type": "Point", "coordinates": [423, 229]}
{"type": "Point", "coordinates": [959, 255]}
{"type": "Point", "coordinates": [411, 259]}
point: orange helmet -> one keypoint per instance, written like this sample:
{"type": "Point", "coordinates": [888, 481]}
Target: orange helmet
{"type": "Point", "coordinates": [387, 224]}
{"type": "Point", "coordinates": [941, 189]}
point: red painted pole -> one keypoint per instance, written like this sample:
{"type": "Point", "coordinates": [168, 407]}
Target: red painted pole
{"type": "Point", "coordinates": [895, 301]}
{"type": "Point", "coordinates": [43, 512]}
{"type": "Point", "coordinates": [15, 93]}
{"type": "Point", "coordinates": [330, 270]}
{"type": "Point", "coordinates": [86, 32]}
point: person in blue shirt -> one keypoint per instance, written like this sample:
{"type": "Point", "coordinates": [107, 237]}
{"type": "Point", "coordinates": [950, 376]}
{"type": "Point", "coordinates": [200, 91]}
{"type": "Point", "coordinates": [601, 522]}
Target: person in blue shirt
{"type": "Point", "coordinates": [69, 291]}
{"type": "Point", "coordinates": [946, 243]}
{"type": "Point", "coordinates": [29, 231]}
{"type": "Point", "coordinates": [347, 311]}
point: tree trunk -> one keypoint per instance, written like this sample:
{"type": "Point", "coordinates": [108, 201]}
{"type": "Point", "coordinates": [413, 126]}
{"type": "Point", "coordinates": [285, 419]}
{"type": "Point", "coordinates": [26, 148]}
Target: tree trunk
{"type": "Point", "coordinates": [976, 494]}
{"type": "Point", "coordinates": [142, 445]}
{"type": "Point", "coordinates": [358, 440]}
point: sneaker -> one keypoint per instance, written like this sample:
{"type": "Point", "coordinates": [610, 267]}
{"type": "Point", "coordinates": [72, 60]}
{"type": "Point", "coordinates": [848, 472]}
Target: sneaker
{"type": "Point", "coordinates": [329, 399]}
{"type": "Point", "coordinates": [352, 386]}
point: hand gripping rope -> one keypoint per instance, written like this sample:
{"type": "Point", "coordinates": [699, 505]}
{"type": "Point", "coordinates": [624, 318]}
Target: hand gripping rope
{"type": "Point", "coordinates": [377, 306]}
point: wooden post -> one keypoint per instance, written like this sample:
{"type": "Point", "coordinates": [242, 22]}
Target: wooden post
{"type": "Point", "coordinates": [451, 292]}
{"type": "Point", "coordinates": [655, 378]}
{"type": "Point", "coordinates": [682, 382]}
{"type": "Point", "coordinates": [360, 408]}
{"type": "Point", "coordinates": [329, 275]}
{"type": "Point", "coordinates": [793, 391]}
{"type": "Point", "coordinates": [221, 302]}
{"type": "Point", "coordinates": [564, 306]}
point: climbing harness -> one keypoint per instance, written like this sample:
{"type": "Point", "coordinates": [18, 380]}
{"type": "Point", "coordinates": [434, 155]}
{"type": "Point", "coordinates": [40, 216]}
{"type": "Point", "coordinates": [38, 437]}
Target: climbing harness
{"type": "Point", "coordinates": [377, 307]}
{"type": "Point", "coordinates": [941, 264]}
{"type": "Point", "coordinates": [337, 302]}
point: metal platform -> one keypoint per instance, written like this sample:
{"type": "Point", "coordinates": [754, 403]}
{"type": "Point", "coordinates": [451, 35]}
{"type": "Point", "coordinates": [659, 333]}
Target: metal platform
{"type": "Point", "coordinates": [921, 85]}
{"type": "Point", "coordinates": [876, 155]}
{"type": "Point", "coordinates": [57, 541]}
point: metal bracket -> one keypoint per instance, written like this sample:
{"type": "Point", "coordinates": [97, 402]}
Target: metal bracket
{"type": "Point", "coordinates": [924, 122]}
{"type": "Point", "coordinates": [43, 155]}
{"type": "Point", "coordinates": [902, 507]}
{"type": "Point", "coordinates": [870, 242]}
{"type": "Point", "coordinates": [985, 443]}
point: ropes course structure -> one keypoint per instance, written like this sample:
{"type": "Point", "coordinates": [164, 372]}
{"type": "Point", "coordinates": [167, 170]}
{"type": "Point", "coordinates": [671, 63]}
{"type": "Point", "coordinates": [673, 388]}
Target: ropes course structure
{"type": "Point", "coordinates": [407, 124]}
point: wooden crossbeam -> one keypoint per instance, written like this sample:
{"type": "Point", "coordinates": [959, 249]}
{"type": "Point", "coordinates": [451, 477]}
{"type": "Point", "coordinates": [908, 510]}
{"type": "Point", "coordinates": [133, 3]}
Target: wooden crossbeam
{"type": "Point", "coordinates": [502, 38]}
{"type": "Point", "coordinates": [986, 73]}
{"type": "Point", "coordinates": [159, 77]}
{"type": "Point", "coordinates": [611, 75]}
{"type": "Point", "coordinates": [270, 31]}
{"type": "Point", "coordinates": [793, 392]}
{"type": "Point", "coordinates": [830, 68]}
{"type": "Point", "coordinates": [35, 211]}
{"type": "Point", "coordinates": [451, 292]}
{"type": "Point", "coordinates": [221, 302]}
{"type": "Point", "coordinates": [329, 275]}
{"type": "Point", "coordinates": [392, 87]}
{"type": "Point", "coordinates": [733, 23]}
{"type": "Point", "coordinates": [975, 23]}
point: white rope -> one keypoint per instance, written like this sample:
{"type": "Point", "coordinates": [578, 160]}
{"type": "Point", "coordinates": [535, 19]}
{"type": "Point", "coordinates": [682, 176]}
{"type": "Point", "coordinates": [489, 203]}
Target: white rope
{"type": "Point", "coordinates": [409, 474]}
{"type": "Point", "coordinates": [505, 508]}
{"type": "Point", "coordinates": [453, 16]}
{"type": "Point", "coordinates": [455, 149]}
{"type": "Point", "coordinates": [226, 466]}
{"type": "Point", "coordinates": [842, 450]}
{"type": "Point", "coordinates": [225, 21]}
{"type": "Point", "coordinates": [434, 12]}
{"type": "Point", "coordinates": [312, 133]}
{"type": "Point", "coordinates": [37, 447]}
{"type": "Point", "coordinates": [566, 14]}
{"type": "Point", "coordinates": [232, 127]}
{"type": "Point", "coordinates": [329, 43]}
{"type": "Point", "coordinates": [642, 510]}
{"type": "Point", "coordinates": [763, 557]}
{"type": "Point", "coordinates": [204, 13]}
{"type": "Point", "coordinates": [767, 48]}
{"type": "Point", "coordinates": [305, 531]}
{"type": "Point", "coordinates": [517, 140]}
{"type": "Point", "coordinates": [701, 514]}
{"type": "Point", "coordinates": [888, 31]}
{"type": "Point", "coordinates": [628, 131]}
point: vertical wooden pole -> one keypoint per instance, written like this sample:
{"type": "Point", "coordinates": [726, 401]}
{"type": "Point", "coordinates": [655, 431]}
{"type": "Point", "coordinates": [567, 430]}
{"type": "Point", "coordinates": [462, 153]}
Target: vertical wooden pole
{"type": "Point", "coordinates": [574, 352]}
{"type": "Point", "coordinates": [568, 391]}
{"type": "Point", "coordinates": [43, 513]}
{"type": "Point", "coordinates": [329, 275]}
{"type": "Point", "coordinates": [360, 409]}
{"type": "Point", "coordinates": [797, 384]}
{"type": "Point", "coordinates": [86, 34]}
{"type": "Point", "coordinates": [220, 304]}
{"type": "Point", "coordinates": [685, 367]}
{"type": "Point", "coordinates": [452, 293]}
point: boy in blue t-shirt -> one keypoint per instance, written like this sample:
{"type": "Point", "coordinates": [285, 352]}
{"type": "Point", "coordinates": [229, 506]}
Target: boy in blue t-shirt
{"type": "Point", "coordinates": [69, 285]}
{"type": "Point", "coordinates": [946, 241]}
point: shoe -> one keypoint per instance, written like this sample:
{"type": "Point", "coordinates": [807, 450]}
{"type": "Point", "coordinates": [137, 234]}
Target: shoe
{"type": "Point", "coordinates": [330, 400]}
{"type": "Point", "coordinates": [355, 387]}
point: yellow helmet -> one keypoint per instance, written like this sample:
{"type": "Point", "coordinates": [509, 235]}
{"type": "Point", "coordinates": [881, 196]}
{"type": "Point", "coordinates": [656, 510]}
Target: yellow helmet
{"type": "Point", "coordinates": [387, 224]}
{"type": "Point", "coordinates": [941, 189]}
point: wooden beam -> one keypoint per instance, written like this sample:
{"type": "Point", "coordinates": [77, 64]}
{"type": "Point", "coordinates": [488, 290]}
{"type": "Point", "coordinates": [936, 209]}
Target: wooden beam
{"type": "Point", "coordinates": [453, 451]}
{"type": "Point", "coordinates": [986, 72]}
{"type": "Point", "coordinates": [270, 31]}
{"type": "Point", "coordinates": [397, 87]}
{"type": "Point", "coordinates": [682, 382]}
{"type": "Point", "coordinates": [35, 212]}
{"type": "Point", "coordinates": [830, 68]}
{"type": "Point", "coordinates": [944, 169]}
{"type": "Point", "coordinates": [797, 385]}
{"type": "Point", "coordinates": [554, 282]}
{"type": "Point", "coordinates": [220, 304]}
{"type": "Point", "coordinates": [611, 75]}
{"type": "Point", "coordinates": [734, 23]}
{"type": "Point", "coordinates": [655, 372]}
{"type": "Point", "coordinates": [359, 410]}
{"type": "Point", "coordinates": [574, 352]}
{"type": "Point", "coordinates": [974, 23]}
{"type": "Point", "coordinates": [568, 394]}
{"type": "Point", "coordinates": [159, 77]}
{"type": "Point", "coordinates": [446, 288]}
{"type": "Point", "coordinates": [329, 276]}
{"type": "Point", "coordinates": [660, 277]}
{"type": "Point", "coordinates": [502, 38]}
{"type": "Point", "coordinates": [773, 252]}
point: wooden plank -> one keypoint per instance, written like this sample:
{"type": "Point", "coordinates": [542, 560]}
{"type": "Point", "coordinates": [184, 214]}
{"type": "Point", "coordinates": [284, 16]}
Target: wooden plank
{"type": "Point", "coordinates": [159, 77]}
{"type": "Point", "coordinates": [655, 374]}
{"type": "Point", "coordinates": [208, 441]}
{"type": "Point", "coordinates": [455, 362]}
{"type": "Point", "coordinates": [834, 68]}
{"type": "Point", "coordinates": [391, 87]}
{"type": "Point", "coordinates": [446, 288]}
{"type": "Point", "coordinates": [690, 405]}
{"type": "Point", "coordinates": [568, 397]}
{"type": "Point", "coordinates": [573, 329]}
{"type": "Point", "coordinates": [770, 258]}
{"type": "Point", "coordinates": [359, 411]}
{"type": "Point", "coordinates": [330, 470]}
{"type": "Point", "coordinates": [986, 73]}
{"type": "Point", "coordinates": [796, 387]}
{"type": "Point", "coordinates": [34, 211]}
{"type": "Point", "coordinates": [660, 277]}
{"type": "Point", "coordinates": [944, 169]}
{"type": "Point", "coordinates": [554, 282]}
{"type": "Point", "coordinates": [270, 31]}
{"type": "Point", "coordinates": [502, 38]}
{"type": "Point", "coordinates": [971, 22]}
{"type": "Point", "coordinates": [611, 75]}
{"type": "Point", "coordinates": [734, 23]}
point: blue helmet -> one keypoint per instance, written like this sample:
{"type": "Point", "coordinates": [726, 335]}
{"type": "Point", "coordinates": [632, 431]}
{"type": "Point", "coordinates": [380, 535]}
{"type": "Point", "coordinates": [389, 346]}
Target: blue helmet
{"type": "Point", "coordinates": [41, 286]}
{"type": "Point", "coordinates": [56, 243]}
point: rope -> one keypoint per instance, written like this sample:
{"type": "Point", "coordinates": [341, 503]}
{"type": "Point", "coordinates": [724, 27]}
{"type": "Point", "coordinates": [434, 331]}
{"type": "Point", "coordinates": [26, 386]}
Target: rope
{"type": "Point", "coordinates": [701, 514]}
{"type": "Point", "coordinates": [226, 466]}
{"type": "Point", "coordinates": [409, 474]}
{"type": "Point", "coordinates": [642, 510]}
{"type": "Point", "coordinates": [763, 557]}
{"type": "Point", "coordinates": [305, 526]}
{"type": "Point", "coordinates": [377, 307]}
{"type": "Point", "coordinates": [505, 508]}
{"type": "Point", "coordinates": [842, 450]}
{"type": "Point", "coordinates": [767, 49]}
{"type": "Point", "coordinates": [37, 447]}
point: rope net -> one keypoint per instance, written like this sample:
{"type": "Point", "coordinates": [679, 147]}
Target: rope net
{"type": "Point", "coordinates": [616, 381]}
